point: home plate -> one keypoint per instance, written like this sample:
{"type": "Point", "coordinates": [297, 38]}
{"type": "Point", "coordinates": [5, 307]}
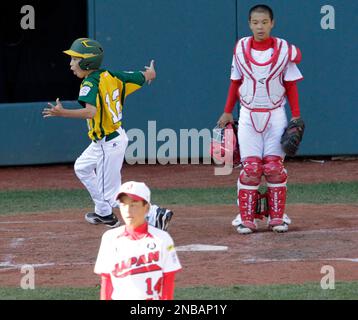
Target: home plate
{"type": "Point", "coordinates": [201, 247]}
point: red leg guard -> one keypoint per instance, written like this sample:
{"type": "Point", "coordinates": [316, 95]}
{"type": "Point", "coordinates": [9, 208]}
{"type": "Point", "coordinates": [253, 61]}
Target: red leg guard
{"type": "Point", "coordinates": [247, 205]}
{"type": "Point", "coordinates": [276, 204]}
{"type": "Point", "coordinates": [252, 171]}
{"type": "Point", "coordinates": [248, 195]}
{"type": "Point", "coordinates": [274, 170]}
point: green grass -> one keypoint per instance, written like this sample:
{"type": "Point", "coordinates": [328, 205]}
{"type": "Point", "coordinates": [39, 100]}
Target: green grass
{"type": "Point", "coordinates": [49, 294]}
{"type": "Point", "coordinates": [308, 291]}
{"type": "Point", "coordinates": [43, 200]}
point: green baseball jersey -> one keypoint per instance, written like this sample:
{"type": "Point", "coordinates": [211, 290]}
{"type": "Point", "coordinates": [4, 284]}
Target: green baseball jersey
{"type": "Point", "coordinates": [107, 91]}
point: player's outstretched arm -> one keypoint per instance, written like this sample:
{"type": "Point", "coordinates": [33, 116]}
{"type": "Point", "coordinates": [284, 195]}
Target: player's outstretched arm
{"type": "Point", "coordinates": [149, 72]}
{"type": "Point", "coordinates": [59, 111]}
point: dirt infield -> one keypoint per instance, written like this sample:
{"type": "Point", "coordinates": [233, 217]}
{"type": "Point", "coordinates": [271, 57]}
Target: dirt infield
{"type": "Point", "coordinates": [172, 176]}
{"type": "Point", "coordinates": [63, 247]}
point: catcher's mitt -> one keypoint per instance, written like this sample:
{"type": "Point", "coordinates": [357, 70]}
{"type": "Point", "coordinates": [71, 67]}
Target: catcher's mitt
{"type": "Point", "coordinates": [224, 147]}
{"type": "Point", "coordinates": [292, 136]}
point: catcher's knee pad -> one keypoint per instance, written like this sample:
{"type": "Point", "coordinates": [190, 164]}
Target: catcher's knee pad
{"type": "Point", "coordinates": [252, 171]}
{"type": "Point", "coordinates": [274, 169]}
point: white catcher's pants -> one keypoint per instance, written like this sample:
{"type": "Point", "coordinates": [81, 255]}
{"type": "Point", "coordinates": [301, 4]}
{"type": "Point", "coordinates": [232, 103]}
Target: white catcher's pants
{"type": "Point", "coordinates": [99, 169]}
{"type": "Point", "coordinates": [266, 143]}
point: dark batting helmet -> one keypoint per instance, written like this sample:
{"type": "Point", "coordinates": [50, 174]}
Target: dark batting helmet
{"type": "Point", "coordinates": [89, 50]}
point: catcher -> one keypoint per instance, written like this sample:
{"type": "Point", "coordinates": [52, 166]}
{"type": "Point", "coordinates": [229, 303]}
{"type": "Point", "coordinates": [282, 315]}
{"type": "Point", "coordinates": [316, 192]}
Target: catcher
{"type": "Point", "coordinates": [264, 76]}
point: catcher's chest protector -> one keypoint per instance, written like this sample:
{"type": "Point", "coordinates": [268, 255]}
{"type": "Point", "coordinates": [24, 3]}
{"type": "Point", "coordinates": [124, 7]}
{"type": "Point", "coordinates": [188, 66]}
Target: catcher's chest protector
{"type": "Point", "coordinates": [262, 82]}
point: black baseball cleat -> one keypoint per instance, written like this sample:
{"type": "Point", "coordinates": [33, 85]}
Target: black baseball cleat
{"type": "Point", "coordinates": [110, 221]}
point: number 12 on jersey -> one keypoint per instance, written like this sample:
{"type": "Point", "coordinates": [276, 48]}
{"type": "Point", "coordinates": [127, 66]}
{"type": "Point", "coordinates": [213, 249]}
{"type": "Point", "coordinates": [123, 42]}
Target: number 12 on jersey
{"type": "Point", "coordinates": [117, 113]}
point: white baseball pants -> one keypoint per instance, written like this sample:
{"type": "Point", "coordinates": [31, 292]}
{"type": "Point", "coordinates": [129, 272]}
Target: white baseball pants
{"type": "Point", "coordinates": [99, 169]}
{"type": "Point", "coordinates": [259, 133]}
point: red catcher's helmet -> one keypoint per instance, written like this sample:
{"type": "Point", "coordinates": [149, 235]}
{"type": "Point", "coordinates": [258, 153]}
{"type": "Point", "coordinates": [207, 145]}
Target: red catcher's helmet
{"type": "Point", "coordinates": [224, 147]}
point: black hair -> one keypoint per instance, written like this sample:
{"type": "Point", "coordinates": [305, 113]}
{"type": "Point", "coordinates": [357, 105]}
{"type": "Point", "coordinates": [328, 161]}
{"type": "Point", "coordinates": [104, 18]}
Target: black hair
{"type": "Point", "coordinates": [262, 8]}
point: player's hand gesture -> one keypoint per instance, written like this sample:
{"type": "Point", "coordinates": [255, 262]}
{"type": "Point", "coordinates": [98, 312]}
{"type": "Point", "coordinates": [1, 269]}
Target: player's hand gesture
{"type": "Point", "coordinates": [150, 73]}
{"type": "Point", "coordinates": [53, 111]}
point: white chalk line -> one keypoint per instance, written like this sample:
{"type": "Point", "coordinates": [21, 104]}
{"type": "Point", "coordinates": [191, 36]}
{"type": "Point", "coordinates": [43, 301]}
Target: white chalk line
{"type": "Point", "coordinates": [14, 243]}
{"type": "Point", "coordinates": [201, 247]}
{"type": "Point", "coordinates": [334, 230]}
{"type": "Point", "coordinates": [254, 260]}
{"type": "Point", "coordinates": [9, 266]}
{"type": "Point", "coordinates": [37, 221]}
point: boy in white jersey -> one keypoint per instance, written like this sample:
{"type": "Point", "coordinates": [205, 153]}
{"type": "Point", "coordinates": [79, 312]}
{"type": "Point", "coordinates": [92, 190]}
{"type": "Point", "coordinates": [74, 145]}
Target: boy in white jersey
{"type": "Point", "coordinates": [263, 78]}
{"type": "Point", "coordinates": [136, 261]}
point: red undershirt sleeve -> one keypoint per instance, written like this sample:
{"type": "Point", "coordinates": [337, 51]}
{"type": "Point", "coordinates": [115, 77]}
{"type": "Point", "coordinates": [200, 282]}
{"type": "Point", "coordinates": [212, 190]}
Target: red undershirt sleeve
{"type": "Point", "coordinates": [232, 96]}
{"type": "Point", "coordinates": [292, 96]}
{"type": "Point", "coordinates": [106, 287]}
{"type": "Point", "coordinates": [168, 286]}
{"type": "Point", "coordinates": [298, 57]}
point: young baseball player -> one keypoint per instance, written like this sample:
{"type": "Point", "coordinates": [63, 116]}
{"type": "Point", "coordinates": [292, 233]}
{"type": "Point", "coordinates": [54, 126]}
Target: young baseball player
{"type": "Point", "coordinates": [136, 261]}
{"type": "Point", "coordinates": [264, 74]}
{"type": "Point", "coordinates": [102, 96]}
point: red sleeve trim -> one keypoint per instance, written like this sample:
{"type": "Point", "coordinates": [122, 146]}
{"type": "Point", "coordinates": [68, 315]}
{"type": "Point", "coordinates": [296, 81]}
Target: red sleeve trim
{"type": "Point", "coordinates": [168, 285]}
{"type": "Point", "coordinates": [106, 287]}
{"type": "Point", "coordinates": [298, 57]}
{"type": "Point", "coordinates": [292, 97]}
{"type": "Point", "coordinates": [232, 96]}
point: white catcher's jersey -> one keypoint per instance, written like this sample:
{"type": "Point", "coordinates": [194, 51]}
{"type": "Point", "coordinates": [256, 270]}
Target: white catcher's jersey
{"type": "Point", "coordinates": [136, 267]}
{"type": "Point", "coordinates": [263, 73]}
